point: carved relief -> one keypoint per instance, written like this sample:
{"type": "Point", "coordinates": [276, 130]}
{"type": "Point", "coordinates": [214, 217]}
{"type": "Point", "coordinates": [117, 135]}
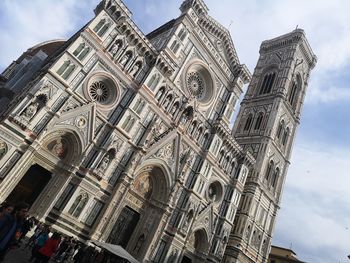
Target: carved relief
{"type": "Point", "coordinates": [3, 148]}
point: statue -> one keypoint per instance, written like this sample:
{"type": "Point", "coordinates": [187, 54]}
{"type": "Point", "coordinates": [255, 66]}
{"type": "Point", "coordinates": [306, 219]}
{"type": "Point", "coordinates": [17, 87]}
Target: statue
{"type": "Point", "coordinates": [31, 110]}
{"type": "Point", "coordinates": [3, 148]}
{"type": "Point", "coordinates": [104, 163]}
{"type": "Point", "coordinates": [135, 70]}
{"type": "Point", "coordinates": [115, 48]}
{"type": "Point", "coordinates": [125, 59]}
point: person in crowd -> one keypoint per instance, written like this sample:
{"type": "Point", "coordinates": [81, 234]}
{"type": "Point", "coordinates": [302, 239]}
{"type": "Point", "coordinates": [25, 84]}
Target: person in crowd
{"type": "Point", "coordinates": [6, 208]}
{"type": "Point", "coordinates": [49, 249]}
{"type": "Point", "coordinates": [10, 223]}
{"type": "Point", "coordinates": [37, 231]}
{"type": "Point", "coordinates": [26, 227]}
{"type": "Point", "coordinates": [40, 242]}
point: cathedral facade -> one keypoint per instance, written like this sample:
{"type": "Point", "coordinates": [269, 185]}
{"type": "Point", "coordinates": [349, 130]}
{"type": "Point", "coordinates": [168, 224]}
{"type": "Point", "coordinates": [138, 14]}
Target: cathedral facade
{"type": "Point", "coordinates": [125, 138]}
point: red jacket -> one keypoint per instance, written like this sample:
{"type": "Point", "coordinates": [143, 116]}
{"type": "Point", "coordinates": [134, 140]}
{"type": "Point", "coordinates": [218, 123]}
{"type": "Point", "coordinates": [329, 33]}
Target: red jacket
{"type": "Point", "coordinates": [50, 247]}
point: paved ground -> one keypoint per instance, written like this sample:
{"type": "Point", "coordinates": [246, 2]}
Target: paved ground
{"type": "Point", "coordinates": [18, 255]}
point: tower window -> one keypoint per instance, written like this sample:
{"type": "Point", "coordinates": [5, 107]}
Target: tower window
{"type": "Point", "coordinates": [248, 123]}
{"type": "Point", "coordinates": [285, 136]}
{"type": "Point", "coordinates": [292, 97]}
{"type": "Point", "coordinates": [258, 121]}
{"type": "Point", "coordinates": [269, 170]}
{"type": "Point", "coordinates": [280, 128]}
{"type": "Point", "coordinates": [267, 84]}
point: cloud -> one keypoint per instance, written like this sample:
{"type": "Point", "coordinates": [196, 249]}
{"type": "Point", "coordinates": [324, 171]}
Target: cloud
{"type": "Point", "coordinates": [27, 23]}
{"type": "Point", "coordinates": [315, 211]}
{"type": "Point", "coordinates": [326, 24]}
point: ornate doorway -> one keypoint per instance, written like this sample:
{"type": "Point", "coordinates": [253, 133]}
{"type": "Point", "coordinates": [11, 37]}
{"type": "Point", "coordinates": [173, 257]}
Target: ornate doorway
{"type": "Point", "coordinates": [124, 227]}
{"type": "Point", "coordinates": [30, 186]}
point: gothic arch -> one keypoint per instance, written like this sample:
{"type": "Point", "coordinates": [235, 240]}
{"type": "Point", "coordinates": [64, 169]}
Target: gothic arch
{"type": "Point", "coordinates": [160, 178]}
{"type": "Point", "coordinates": [64, 143]}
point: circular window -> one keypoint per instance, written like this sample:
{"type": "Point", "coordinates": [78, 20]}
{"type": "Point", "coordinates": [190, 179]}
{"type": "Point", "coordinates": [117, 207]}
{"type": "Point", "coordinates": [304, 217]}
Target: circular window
{"type": "Point", "coordinates": [199, 83]}
{"type": "Point", "coordinates": [195, 84]}
{"type": "Point", "coordinates": [99, 92]}
{"type": "Point", "coordinates": [215, 192]}
{"type": "Point", "coordinates": [102, 89]}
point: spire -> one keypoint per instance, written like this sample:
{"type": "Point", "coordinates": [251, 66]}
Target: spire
{"type": "Point", "coordinates": [197, 5]}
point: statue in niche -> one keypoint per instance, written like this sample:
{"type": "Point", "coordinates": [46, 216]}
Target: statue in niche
{"type": "Point", "coordinates": [125, 59]}
{"type": "Point", "coordinates": [135, 70]}
{"type": "Point", "coordinates": [31, 110]}
{"type": "Point", "coordinates": [104, 163]}
{"type": "Point", "coordinates": [3, 148]}
{"type": "Point", "coordinates": [59, 149]}
{"type": "Point", "coordinates": [115, 48]}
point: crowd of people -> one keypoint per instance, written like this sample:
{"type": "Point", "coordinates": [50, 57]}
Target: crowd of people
{"type": "Point", "coordinates": [44, 245]}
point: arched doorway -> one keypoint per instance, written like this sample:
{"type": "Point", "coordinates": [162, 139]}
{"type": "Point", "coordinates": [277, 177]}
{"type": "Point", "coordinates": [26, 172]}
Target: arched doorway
{"type": "Point", "coordinates": [142, 212]}
{"type": "Point", "coordinates": [198, 246]}
{"type": "Point", "coordinates": [30, 186]}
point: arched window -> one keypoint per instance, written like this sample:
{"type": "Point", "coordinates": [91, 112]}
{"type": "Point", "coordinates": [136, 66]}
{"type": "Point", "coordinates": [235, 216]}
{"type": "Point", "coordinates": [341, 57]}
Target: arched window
{"type": "Point", "coordinates": [66, 69]}
{"type": "Point", "coordinates": [275, 177]}
{"type": "Point", "coordinates": [280, 128]}
{"type": "Point", "coordinates": [131, 124]}
{"type": "Point", "coordinates": [221, 156]}
{"type": "Point", "coordinates": [153, 82]}
{"type": "Point", "coordinates": [127, 120]}
{"type": "Point", "coordinates": [176, 48]}
{"type": "Point", "coordinates": [269, 170]}
{"type": "Point", "coordinates": [182, 34]}
{"type": "Point", "coordinates": [99, 25]}
{"type": "Point", "coordinates": [199, 133]}
{"type": "Point", "coordinates": [172, 47]}
{"type": "Point", "coordinates": [233, 168]}
{"type": "Point", "coordinates": [103, 30]}
{"type": "Point", "coordinates": [285, 136]}
{"type": "Point", "coordinates": [84, 53]}
{"type": "Point", "coordinates": [140, 107]}
{"type": "Point", "coordinates": [205, 139]}
{"type": "Point", "coordinates": [63, 67]}
{"type": "Point", "coordinates": [258, 121]}
{"type": "Point", "coordinates": [294, 91]}
{"type": "Point", "coordinates": [78, 205]}
{"type": "Point", "coordinates": [227, 162]}
{"type": "Point", "coordinates": [267, 83]}
{"type": "Point", "coordinates": [193, 127]}
{"type": "Point", "coordinates": [248, 123]}
{"type": "Point", "coordinates": [79, 49]}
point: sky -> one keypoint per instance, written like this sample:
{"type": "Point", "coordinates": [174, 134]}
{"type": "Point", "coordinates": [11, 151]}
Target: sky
{"type": "Point", "coordinates": [314, 219]}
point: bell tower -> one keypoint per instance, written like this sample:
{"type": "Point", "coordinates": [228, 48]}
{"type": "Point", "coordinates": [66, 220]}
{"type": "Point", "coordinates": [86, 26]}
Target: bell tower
{"type": "Point", "coordinates": [266, 126]}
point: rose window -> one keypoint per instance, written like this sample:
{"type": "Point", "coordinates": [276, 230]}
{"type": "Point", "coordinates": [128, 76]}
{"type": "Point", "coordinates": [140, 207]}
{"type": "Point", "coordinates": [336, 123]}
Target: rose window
{"type": "Point", "coordinates": [99, 92]}
{"type": "Point", "coordinates": [215, 191]}
{"type": "Point", "coordinates": [102, 89]}
{"type": "Point", "coordinates": [195, 84]}
{"type": "Point", "coordinates": [199, 83]}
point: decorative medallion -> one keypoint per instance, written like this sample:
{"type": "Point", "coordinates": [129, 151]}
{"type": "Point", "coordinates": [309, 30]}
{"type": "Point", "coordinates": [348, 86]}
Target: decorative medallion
{"type": "Point", "coordinates": [81, 122]}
